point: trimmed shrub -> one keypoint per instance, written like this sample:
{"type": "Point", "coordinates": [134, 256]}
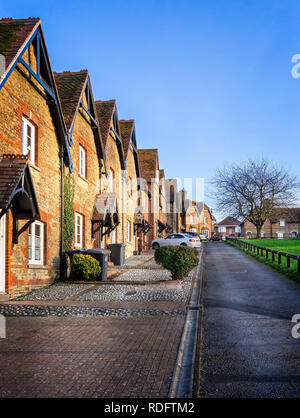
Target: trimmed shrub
{"type": "Point", "coordinates": [84, 267]}
{"type": "Point", "coordinates": [179, 260]}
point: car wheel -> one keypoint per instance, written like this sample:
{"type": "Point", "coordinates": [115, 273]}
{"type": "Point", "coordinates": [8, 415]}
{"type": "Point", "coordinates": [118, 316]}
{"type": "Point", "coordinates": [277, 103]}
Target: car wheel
{"type": "Point", "coordinates": [155, 246]}
{"type": "Point", "coordinates": [183, 243]}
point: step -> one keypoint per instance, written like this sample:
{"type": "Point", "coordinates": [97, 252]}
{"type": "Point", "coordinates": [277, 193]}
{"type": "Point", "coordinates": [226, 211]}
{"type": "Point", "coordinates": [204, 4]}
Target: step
{"type": "Point", "coordinates": [4, 297]}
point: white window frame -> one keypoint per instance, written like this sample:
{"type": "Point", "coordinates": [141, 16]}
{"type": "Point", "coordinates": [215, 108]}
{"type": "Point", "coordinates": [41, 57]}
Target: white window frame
{"type": "Point", "coordinates": [205, 220]}
{"type": "Point", "coordinates": [32, 260]}
{"type": "Point", "coordinates": [78, 222]}
{"type": "Point", "coordinates": [282, 222]}
{"type": "Point", "coordinates": [25, 148]}
{"type": "Point", "coordinates": [130, 186]}
{"type": "Point", "coordinates": [280, 235]}
{"type": "Point", "coordinates": [237, 229]}
{"type": "Point", "coordinates": [191, 219]}
{"type": "Point", "coordinates": [128, 231]}
{"type": "Point", "coordinates": [113, 236]}
{"type": "Point", "coordinates": [82, 161]}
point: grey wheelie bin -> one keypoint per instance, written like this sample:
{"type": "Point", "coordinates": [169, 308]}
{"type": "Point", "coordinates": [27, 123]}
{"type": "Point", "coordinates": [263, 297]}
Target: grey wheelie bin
{"type": "Point", "coordinates": [117, 253]}
{"type": "Point", "coordinates": [99, 254]}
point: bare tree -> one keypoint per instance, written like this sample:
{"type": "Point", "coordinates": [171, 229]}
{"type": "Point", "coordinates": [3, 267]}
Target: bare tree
{"type": "Point", "coordinates": [254, 191]}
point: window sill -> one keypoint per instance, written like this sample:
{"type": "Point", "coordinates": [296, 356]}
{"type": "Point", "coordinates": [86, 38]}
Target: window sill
{"type": "Point", "coordinates": [37, 266]}
{"type": "Point", "coordinates": [83, 178]}
{"type": "Point", "coordinates": [34, 167]}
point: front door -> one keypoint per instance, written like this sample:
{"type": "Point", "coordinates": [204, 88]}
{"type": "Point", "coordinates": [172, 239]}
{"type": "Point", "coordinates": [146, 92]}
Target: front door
{"type": "Point", "coordinates": [2, 253]}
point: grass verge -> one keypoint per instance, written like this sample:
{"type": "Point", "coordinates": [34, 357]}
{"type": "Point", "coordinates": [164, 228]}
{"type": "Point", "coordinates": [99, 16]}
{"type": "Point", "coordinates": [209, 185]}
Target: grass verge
{"type": "Point", "coordinates": [290, 272]}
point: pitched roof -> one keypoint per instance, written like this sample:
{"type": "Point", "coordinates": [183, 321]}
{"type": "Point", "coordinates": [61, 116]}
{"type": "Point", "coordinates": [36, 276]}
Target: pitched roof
{"type": "Point", "coordinates": [126, 127]}
{"type": "Point", "coordinates": [10, 173]}
{"type": "Point", "coordinates": [70, 86]}
{"type": "Point", "coordinates": [13, 34]}
{"type": "Point", "coordinates": [148, 162]}
{"type": "Point", "coordinates": [289, 214]}
{"type": "Point", "coordinates": [229, 221]}
{"type": "Point", "coordinates": [16, 185]}
{"type": "Point", "coordinates": [105, 110]}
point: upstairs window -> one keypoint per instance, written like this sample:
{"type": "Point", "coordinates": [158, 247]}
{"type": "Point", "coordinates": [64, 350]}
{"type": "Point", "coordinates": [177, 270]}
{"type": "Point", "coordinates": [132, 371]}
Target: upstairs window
{"type": "Point", "coordinates": [282, 222]}
{"type": "Point", "coordinates": [205, 220]}
{"type": "Point", "coordinates": [128, 231]}
{"type": "Point", "coordinates": [191, 219]}
{"type": "Point", "coordinates": [28, 139]}
{"type": "Point", "coordinates": [130, 186]}
{"type": "Point", "coordinates": [82, 161]}
{"type": "Point", "coordinates": [36, 243]}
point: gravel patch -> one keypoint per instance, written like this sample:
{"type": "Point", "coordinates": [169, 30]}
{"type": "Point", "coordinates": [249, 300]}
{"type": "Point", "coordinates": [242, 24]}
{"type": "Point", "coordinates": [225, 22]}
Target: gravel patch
{"type": "Point", "coordinates": [27, 310]}
{"type": "Point", "coordinates": [135, 260]}
{"type": "Point", "coordinates": [57, 291]}
{"type": "Point", "coordinates": [154, 292]}
{"type": "Point", "coordinates": [142, 275]}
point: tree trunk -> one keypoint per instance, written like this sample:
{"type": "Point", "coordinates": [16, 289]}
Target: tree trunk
{"type": "Point", "coordinates": [258, 230]}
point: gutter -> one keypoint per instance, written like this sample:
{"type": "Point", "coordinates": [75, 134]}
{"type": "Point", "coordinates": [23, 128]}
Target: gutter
{"type": "Point", "coordinates": [184, 370]}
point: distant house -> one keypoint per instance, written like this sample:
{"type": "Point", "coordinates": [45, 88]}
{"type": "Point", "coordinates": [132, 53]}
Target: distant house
{"type": "Point", "coordinates": [229, 227]}
{"type": "Point", "coordinates": [285, 223]}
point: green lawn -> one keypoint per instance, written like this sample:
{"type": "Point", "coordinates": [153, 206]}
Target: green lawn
{"type": "Point", "coordinates": [289, 246]}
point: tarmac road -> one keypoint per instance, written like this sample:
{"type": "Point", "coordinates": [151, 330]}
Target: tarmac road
{"type": "Point", "coordinates": [248, 348]}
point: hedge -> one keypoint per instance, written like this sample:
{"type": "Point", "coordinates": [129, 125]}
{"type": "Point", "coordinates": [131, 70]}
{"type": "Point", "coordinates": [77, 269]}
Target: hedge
{"type": "Point", "coordinates": [84, 267]}
{"type": "Point", "coordinates": [179, 260]}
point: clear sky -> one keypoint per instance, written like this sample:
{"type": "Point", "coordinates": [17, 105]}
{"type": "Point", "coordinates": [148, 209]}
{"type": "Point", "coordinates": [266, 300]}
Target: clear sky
{"type": "Point", "coordinates": [207, 82]}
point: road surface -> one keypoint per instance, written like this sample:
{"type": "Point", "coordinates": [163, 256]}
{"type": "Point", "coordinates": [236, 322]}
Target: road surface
{"type": "Point", "coordinates": [248, 349]}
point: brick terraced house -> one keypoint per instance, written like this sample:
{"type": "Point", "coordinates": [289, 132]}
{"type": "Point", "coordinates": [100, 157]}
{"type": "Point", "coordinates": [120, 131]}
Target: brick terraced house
{"type": "Point", "coordinates": [112, 187]}
{"type": "Point", "coordinates": [86, 149]}
{"type": "Point", "coordinates": [34, 154]}
{"type": "Point", "coordinates": [285, 223]}
{"type": "Point", "coordinates": [55, 138]}
{"type": "Point", "coordinates": [149, 169]}
{"type": "Point", "coordinates": [132, 219]}
{"type": "Point", "coordinates": [207, 221]}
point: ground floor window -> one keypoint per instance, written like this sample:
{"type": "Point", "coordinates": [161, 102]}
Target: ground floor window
{"type": "Point", "coordinates": [294, 234]}
{"type": "Point", "coordinates": [279, 234]}
{"type": "Point", "coordinates": [113, 236]}
{"type": "Point", "coordinates": [36, 243]}
{"type": "Point", "coordinates": [128, 231]}
{"type": "Point", "coordinates": [78, 230]}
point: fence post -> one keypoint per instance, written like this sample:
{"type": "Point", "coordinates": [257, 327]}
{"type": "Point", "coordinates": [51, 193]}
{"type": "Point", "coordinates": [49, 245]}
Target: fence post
{"type": "Point", "coordinates": [273, 256]}
{"type": "Point", "coordinates": [298, 262]}
{"type": "Point", "coordinates": [267, 254]}
{"type": "Point", "coordinates": [279, 258]}
{"type": "Point", "coordinates": [288, 261]}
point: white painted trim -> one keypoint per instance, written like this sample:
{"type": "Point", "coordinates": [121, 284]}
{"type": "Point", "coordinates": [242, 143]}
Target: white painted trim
{"type": "Point", "coordinates": [32, 260]}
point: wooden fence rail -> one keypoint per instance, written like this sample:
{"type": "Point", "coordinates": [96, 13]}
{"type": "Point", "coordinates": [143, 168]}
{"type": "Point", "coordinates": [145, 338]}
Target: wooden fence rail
{"type": "Point", "coordinates": [256, 249]}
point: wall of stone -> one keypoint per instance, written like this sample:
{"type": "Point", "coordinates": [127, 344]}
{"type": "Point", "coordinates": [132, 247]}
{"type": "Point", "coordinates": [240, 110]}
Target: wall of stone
{"type": "Point", "coordinates": [19, 99]}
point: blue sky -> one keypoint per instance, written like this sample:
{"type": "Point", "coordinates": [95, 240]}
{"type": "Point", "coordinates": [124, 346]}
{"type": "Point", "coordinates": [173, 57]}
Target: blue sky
{"type": "Point", "coordinates": [207, 82]}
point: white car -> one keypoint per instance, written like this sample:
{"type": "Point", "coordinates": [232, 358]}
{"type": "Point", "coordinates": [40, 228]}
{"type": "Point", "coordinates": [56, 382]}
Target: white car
{"type": "Point", "coordinates": [176, 239]}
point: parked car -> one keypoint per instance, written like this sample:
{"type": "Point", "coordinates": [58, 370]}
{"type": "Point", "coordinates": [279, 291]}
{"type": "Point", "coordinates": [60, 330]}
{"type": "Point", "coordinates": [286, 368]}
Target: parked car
{"type": "Point", "coordinates": [176, 239]}
{"type": "Point", "coordinates": [202, 237]}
